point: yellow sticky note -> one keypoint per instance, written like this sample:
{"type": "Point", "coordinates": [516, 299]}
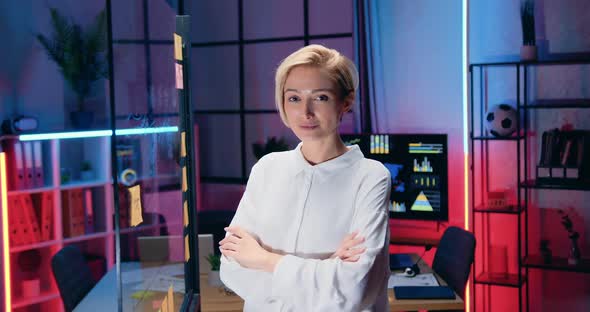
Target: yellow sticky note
{"type": "Point", "coordinates": [135, 208]}
{"type": "Point", "coordinates": [186, 253]}
{"type": "Point", "coordinates": [185, 218]}
{"type": "Point", "coordinates": [164, 307]}
{"type": "Point", "coordinates": [170, 298]}
{"type": "Point", "coordinates": [177, 47]}
{"type": "Point", "coordinates": [184, 184]}
{"type": "Point", "coordinates": [182, 144]}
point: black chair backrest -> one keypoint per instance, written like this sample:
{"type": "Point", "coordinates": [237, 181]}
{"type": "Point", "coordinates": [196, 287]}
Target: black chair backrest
{"type": "Point", "coordinates": [72, 274]}
{"type": "Point", "coordinates": [454, 257]}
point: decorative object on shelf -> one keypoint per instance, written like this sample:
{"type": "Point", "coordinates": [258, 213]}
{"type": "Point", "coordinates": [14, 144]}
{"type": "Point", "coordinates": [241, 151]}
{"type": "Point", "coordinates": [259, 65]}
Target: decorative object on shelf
{"type": "Point", "coordinates": [574, 255]}
{"type": "Point", "coordinates": [272, 145]}
{"type": "Point", "coordinates": [498, 261]}
{"type": "Point", "coordinates": [128, 177]}
{"type": "Point", "coordinates": [562, 156]}
{"type": "Point", "coordinates": [86, 172]}
{"type": "Point", "coordinates": [19, 124]}
{"type": "Point", "coordinates": [213, 277]}
{"type": "Point", "coordinates": [80, 56]}
{"type": "Point", "coordinates": [29, 262]}
{"type": "Point", "coordinates": [129, 160]}
{"type": "Point", "coordinates": [65, 175]}
{"type": "Point", "coordinates": [545, 251]}
{"type": "Point", "coordinates": [528, 50]}
{"type": "Point", "coordinates": [497, 199]}
{"type": "Point", "coordinates": [501, 120]}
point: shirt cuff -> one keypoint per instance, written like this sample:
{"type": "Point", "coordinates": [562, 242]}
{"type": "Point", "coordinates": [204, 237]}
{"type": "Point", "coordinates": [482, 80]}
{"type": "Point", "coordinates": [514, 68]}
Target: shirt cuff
{"type": "Point", "coordinates": [283, 277]}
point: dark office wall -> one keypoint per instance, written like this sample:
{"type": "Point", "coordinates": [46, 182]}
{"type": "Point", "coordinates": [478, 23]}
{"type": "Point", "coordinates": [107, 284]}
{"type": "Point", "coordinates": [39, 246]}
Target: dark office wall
{"type": "Point", "coordinates": [562, 31]}
{"type": "Point", "coordinates": [30, 83]}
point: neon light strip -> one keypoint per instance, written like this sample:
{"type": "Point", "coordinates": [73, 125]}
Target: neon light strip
{"type": "Point", "coordinates": [5, 241]}
{"type": "Point", "coordinates": [94, 133]}
{"type": "Point", "coordinates": [465, 60]}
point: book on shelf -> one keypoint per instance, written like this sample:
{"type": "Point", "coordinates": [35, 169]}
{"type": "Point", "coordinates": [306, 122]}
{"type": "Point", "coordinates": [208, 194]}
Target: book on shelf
{"type": "Point", "coordinates": [564, 155]}
{"type": "Point", "coordinates": [73, 212]}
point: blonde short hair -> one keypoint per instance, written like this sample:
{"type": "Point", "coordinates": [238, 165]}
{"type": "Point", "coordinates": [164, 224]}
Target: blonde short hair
{"type": "Point", "coordinates": [341, 70]}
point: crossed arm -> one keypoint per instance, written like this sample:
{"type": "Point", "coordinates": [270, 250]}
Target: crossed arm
{"type": "Point", "coordinates": [249, 253]}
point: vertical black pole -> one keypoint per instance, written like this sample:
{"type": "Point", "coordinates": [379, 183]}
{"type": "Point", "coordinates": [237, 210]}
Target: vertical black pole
{"type": "Point", "coordinates": [182, 53]}
{"type": "Point", "coordinates": [242, 90]}
{"type": "Point", "coordinates": [114, 168]}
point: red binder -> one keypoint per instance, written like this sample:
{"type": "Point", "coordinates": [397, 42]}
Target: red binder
{"type": "Point", "coordinates": [32, 224]}
{"type": "Point", "coordinates": [28, 164]}
{"type": "Point", "coordinates": [38, 176]}
{"type": "Point", "coordinates": [15, 165]}
{"type": "Point", "coordinates": [16, 232]}
{"type": "Point", "coordinates": [46, 216]}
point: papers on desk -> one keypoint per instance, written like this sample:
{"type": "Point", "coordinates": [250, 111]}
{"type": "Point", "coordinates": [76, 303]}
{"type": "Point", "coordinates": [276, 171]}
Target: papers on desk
{"type": "Point", "coordinates": [399, 279]}
{"type": "Point", "coordinates": [162, 283]}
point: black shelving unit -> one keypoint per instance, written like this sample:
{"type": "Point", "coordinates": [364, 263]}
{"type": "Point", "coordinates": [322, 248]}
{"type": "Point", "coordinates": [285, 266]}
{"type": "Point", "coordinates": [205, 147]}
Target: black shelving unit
{"type": "Point", "coordinates": [525, 183]}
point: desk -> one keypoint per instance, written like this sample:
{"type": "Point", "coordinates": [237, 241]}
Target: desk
{"type": "Point", "coordinates": [424, 304]}
{"type": "Point", "coordinates": [103, 297]}
{"type": "Point", "coordinates": [213, 299]}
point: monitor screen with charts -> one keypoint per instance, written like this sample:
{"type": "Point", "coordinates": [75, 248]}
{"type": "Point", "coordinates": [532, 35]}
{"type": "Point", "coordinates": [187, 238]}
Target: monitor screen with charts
{"type": "Point", "coordinates": [418, 167]}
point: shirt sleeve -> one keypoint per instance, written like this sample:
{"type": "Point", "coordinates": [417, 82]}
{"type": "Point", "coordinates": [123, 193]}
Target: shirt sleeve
{"type": "Point", "coordinates": [334, 285]}
{"type": "Point", "coordinates": [246, 283]}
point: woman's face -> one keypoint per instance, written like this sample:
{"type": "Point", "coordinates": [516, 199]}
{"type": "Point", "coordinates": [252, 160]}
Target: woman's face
{"type": "Point", "coordinates": [313, 104]}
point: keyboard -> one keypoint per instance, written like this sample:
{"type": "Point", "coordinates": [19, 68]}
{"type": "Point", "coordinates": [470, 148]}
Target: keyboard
{"type": "Point", "coordinates": [423, 292]}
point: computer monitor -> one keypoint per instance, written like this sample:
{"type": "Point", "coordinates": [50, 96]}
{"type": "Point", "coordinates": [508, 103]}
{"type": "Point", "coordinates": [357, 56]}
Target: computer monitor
{"type": "Point", "coordinates": [418, 167]}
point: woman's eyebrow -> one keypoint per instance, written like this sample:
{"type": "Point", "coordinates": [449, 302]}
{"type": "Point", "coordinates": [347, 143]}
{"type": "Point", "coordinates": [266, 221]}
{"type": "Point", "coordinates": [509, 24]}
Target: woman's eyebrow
{"type": "Point", "coordinates": [312, 91]}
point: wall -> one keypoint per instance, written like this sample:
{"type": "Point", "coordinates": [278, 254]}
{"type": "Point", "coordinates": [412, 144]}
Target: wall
{"type": "Point", "coordinates": [421, 89]}
{"type": "Point", "coordinates": [562, 32]}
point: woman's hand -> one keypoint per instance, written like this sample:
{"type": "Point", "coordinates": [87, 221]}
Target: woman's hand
{"type": "Point", "coordinates": [245, 249]}
{"type": "Point", "coordinates": [346, 252]}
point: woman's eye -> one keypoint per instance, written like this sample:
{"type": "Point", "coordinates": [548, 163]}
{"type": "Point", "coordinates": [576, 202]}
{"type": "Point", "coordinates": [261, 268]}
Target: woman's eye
{"type": "Point", "coordinates": [293, 99]}
{"type": "Point", "coordinates": [322, 98]}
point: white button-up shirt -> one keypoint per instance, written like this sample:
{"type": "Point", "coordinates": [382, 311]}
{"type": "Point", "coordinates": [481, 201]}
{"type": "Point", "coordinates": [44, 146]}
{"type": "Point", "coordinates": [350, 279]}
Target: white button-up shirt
{"type": "Point", "coordinates": [304, 212]}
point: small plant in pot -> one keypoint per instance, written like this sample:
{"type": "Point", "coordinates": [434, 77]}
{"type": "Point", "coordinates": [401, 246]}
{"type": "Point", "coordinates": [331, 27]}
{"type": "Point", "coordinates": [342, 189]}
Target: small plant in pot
{"type": "Point", "coordinates": [574, 255]}
{"type": "Point", "coordinates": [213, 278]}
{"type": "Point", "coordinates": [86, 172]}
{"type": "Point", "coordinates": [80, 56]}
{"type": "Point", "coordinates": [528, 51]}
{"type": "Point", "coordinates": [545, 251]}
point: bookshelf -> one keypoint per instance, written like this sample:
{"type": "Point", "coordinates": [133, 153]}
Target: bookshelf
{"type": "Point", "coordinates": [525, 143]}
{"type": "Point", "coordinates": [51, 198]}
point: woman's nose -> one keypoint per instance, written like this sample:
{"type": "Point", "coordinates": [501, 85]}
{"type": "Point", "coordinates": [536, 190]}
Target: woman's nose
{"type": "Point", "coordinates": [308, 108]}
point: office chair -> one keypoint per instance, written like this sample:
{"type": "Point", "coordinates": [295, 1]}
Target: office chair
{"type": "Point", "coordinates": [453, 258]}
{"type": "Point", "coordinates": [72, 275]}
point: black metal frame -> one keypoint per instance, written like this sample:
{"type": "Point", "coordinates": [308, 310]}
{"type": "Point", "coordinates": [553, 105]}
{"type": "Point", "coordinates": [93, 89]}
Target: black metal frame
{"type": "Point", "coordinates": [524, 185]}
{"type": "Point", "coordinates": [242, 112]}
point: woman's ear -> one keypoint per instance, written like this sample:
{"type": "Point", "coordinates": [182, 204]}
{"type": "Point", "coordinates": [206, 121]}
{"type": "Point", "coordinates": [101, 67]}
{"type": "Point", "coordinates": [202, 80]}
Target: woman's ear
{"type": "Point", "coordinates": [348, 102]}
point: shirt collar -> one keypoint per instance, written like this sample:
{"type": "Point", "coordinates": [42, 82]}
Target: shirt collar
{"type": "Point", "coordinates": [343, 161]}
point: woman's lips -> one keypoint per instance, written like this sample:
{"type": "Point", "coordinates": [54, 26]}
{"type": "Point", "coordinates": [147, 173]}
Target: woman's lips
{"type": "Point", "coordinates": [308, 127]}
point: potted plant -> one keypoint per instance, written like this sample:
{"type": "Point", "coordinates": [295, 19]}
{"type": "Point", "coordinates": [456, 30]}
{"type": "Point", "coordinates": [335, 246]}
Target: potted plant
{"type": "Point", "coordinates": [546, 253]}
{"type": "Point", "coordinates": [272, 144]}
{"type": "Point", "coordinates": [80, 56]}
{"type": "Point", "coordinates": [574, 255]}
{"type": "Point", "coordinates": [528, 51]}
{"type": "Point", "coordinates": [213, 278]}
{"type": "Point", "coordinates": [86, 172]}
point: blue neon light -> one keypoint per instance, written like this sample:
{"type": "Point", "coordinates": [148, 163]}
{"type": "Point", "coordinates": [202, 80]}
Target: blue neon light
{"type": "Point", "coordinates": [95, 133]}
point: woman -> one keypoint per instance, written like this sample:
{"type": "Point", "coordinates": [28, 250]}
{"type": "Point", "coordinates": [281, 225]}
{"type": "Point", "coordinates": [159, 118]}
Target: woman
{"type": "Point", "coordinates": [288, 247]}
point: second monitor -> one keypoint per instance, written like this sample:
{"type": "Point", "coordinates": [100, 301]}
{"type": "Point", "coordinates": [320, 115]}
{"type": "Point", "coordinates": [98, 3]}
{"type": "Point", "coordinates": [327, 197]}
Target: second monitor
{"type": "Point", "coordinates": [418, 167]}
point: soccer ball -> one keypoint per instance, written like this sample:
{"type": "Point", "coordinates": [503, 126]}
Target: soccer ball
{"type": "Point", "coordinates": [501, 120]}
